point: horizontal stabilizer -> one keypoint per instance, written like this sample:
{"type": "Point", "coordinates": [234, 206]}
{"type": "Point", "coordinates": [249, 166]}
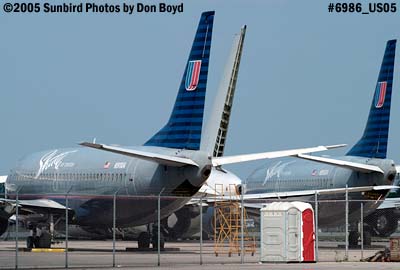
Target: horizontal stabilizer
{"type": "Point", "coordinates": [159, 158]}
{"type": "Point", "coordinates": [218, 161]}
{"type": "Point", "coordinates": [364, 168]}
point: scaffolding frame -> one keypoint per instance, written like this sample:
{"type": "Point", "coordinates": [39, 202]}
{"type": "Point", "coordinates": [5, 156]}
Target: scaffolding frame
{"type": "Point", "coordinates": [227, 223]}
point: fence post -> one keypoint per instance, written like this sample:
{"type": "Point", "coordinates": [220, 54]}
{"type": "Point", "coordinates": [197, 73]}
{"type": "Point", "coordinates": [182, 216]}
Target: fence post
{"type": "Point", "coordinates": [201, 230]}
{"type": "Point", "coordinates": [114, 221]}
{"type": "Point", "coordinates": [16, 227]}
{"type": "Point", "coordinates": [66, 227]}
{"type": "Point", "coordinates": [347, 225]}
{"type": "Point", "coordinates": [241, 228]}
{"type": "Point", "coordinates": [158, 227]}
{"type": "Point", "coordinates": [362, 230]}
{"type": "Point", "coordinates": [316, 226]}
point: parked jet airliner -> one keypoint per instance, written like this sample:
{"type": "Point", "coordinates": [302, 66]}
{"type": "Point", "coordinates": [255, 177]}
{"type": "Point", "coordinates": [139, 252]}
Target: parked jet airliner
{"type": "Point", "coordinates": [171, 162]}
{"type": "Point", "coordinates": [364, 165]}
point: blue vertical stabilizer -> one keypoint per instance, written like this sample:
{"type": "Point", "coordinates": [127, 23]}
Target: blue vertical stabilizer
{"type": "Point", "coordinates": [373, 143]}
{"type": "Point", "coordinates": [183, 129]}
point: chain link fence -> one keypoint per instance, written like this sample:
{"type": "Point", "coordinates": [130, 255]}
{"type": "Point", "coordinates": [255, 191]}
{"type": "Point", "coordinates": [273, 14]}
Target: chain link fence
{"type": "Point", "coordinates": [204, 231]}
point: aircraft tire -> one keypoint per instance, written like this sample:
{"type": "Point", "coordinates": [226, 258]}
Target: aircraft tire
{"type": "Point", "coordinates": [44, 240]}
{"type": "Point", "coordinates": [29, 242]}
{"type": "Point", "coordinates": [367, 238]}
{"type": "Point", "coordinates": [353, 238]}
{"type": "Point", "coordinates": [144, 240]}
{"type": "Point", "coordinates": [155, 241]}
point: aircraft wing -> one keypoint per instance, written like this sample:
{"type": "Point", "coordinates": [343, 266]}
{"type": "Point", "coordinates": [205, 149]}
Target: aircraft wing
{"type": "Point", "coordinates": [162, 159]}
{"type": "Point", "coordinates": [300, 193]}
{"type": "Point", "coordinates": [8, 206]}
{"type": "Point", "coordinates": [218, 161]}
{"type": "Point", "coordinates": [365, 168]}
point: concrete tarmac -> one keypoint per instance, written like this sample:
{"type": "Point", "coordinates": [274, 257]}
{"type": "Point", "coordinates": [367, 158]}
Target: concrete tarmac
{"type": "Point", "coordinates": [98, 255]}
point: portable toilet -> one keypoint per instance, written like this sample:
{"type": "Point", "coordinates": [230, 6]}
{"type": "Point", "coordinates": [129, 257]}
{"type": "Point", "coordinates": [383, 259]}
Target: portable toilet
{"type": "Point", "coordinates": [287, 232]}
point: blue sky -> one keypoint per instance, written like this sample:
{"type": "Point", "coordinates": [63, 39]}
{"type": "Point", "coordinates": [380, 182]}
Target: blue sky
{"type": "Point", "coordinates": [307, 76]}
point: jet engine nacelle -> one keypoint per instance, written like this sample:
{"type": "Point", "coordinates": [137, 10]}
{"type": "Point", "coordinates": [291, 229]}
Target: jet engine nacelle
{"type": "Point", "coordinates": [382, 222]}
